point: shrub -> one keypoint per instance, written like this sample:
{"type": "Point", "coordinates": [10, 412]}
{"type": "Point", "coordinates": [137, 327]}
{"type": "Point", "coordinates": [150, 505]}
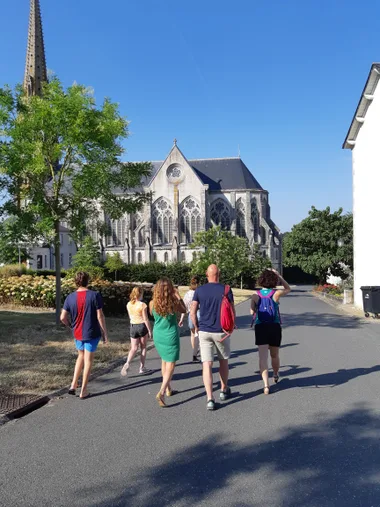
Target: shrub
{"type": "Point", "coordinates": [39, 292]}
{"type": "Point", "coordinates": [15, 270]}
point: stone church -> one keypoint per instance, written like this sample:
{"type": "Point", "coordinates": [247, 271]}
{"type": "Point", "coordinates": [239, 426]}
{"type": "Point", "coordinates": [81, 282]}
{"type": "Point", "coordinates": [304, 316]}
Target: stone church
{"type": "Point", "coordinates": [189, 195]}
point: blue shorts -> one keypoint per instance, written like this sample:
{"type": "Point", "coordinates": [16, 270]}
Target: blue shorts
{"type": "Point", "coordinates": [89, 345]}
{"type": "Point", "coordinates": [190, 322]}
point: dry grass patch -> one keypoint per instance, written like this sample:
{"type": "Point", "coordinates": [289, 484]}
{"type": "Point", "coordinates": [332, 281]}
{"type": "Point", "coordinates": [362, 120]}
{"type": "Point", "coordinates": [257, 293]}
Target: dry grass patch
{"type": "Point", "coordinates": [37, 357]}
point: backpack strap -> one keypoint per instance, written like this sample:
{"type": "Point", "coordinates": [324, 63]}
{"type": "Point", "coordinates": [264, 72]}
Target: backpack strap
{"type": "Point", "coordinates": [268, 296]}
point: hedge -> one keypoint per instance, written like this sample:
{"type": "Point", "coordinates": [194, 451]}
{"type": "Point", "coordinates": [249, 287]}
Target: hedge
{"type": "Point", "coordinates": [39, 292]}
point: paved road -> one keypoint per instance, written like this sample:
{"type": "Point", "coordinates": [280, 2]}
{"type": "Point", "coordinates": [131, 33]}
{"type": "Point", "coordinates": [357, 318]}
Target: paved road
{"type": "Point", "coordinates": [314, 442]}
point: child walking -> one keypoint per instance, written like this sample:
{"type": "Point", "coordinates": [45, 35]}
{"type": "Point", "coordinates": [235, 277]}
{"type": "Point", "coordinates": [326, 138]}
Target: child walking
{"type": "Point", "coordinates": [140, 330]}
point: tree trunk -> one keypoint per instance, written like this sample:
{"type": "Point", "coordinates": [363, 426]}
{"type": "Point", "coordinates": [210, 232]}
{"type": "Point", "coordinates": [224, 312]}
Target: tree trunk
{"type": "Point", "coordinates": [57, 253]}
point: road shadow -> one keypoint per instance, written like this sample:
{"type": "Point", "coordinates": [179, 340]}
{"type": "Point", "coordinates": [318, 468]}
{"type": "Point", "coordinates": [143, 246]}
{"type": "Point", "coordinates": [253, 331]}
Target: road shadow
{"type": "Point", "coordinates": [313, 319]}
{"type": "Point", "coordinates": [333, 461]}
{"type": "Point", "coordinates": [331, 379]}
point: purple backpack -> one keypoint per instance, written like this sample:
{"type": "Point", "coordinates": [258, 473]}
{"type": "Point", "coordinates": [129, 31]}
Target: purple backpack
{"type": "Point", "coordinates": [266, 308]}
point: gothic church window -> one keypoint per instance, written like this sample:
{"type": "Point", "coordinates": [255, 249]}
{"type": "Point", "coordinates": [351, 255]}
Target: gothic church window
{"type": "Point", "coordinates": [115, 232]}
{"type": "Point", "coordinates": [162, 218]}
{"type": "Point", "coordinates": [139, 258]}
{"type": "Point", "coordinates": [166, 257]}
{"type": "Point", "coordinates": [240, 219]}
{"type": "Point", "coordinates": [189, 220]}
{"type": "Point", "coordinates": [255, 219]}
{"type": "Point", "coordinates": [220, 214]}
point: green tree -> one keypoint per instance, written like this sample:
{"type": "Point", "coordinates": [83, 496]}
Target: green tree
{"type": "Point", "coordinates": [114, 263]}
{"type": "Point", "coordinates": [88, 259]}
{"type": "Point", "coordinates": [321, 243]}
{"type": "Point", "coordinates": [12, 248]}
{"type": "Point", "coordinates": [256, 265]}
{"type": "Point", "coordinates": [230, 253]}
{"type": "Point", "coordinates": [60, 162]}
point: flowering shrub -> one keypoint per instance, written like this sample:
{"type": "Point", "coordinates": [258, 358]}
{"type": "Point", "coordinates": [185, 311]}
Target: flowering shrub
{"type": "Point", "coordinates": [38, 291]}
{"type": "Point", "coordinates": [328, 288]}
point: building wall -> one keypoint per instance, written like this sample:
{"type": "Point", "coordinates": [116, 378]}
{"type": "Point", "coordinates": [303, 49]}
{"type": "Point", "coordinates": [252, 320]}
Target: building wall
{"type": "Point", "coordinates": [43, 258]}
{"type": "Point", "coordinates": [366, 185]}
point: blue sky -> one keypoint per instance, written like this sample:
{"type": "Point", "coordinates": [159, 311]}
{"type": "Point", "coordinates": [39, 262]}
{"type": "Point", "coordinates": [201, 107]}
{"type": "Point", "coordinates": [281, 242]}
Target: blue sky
{"type": "Point", "coordinates": [279, 78]}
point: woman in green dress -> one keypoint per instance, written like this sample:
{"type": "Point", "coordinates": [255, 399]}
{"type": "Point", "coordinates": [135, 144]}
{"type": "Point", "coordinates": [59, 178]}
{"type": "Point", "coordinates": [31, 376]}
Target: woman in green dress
{"type": "Point", "coordinates": [164, 307]}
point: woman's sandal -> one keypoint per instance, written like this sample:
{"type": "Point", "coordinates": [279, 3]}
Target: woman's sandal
{"type": "Point", "coordinates": [161, 400]}
{"type": "Point", "coordinates": [72, 392]}
{"type": "Point", "coordinates": [276, 378]}
{"type": "Point", "coordinates": [170, 391]}
{"type": "Point", "coordinates": [266, 390]}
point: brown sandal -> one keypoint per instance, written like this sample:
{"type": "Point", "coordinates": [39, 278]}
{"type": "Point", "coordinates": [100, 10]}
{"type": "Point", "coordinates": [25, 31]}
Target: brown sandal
{"type": "Point", "coordinates": [161, 399]}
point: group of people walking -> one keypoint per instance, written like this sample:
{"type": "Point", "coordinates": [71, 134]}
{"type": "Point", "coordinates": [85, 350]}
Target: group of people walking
{"type": "Point", "coordinates": [202, 306]}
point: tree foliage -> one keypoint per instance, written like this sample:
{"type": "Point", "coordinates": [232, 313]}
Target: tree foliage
{"type": "Point", "coordinates": [88, 259]}
{"type": "Point", "coordinates": [321, 243]}
{"type": "Point", "coordinates": [114, 263]}
{"type": "Point", "coordinates": [12, 249]}
{"type": "Point", "coordinates": [60, 162]}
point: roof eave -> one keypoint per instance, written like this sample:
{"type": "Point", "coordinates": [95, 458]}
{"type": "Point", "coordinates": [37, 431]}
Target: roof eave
{"type": "Point", "coordinates": [363, 105]}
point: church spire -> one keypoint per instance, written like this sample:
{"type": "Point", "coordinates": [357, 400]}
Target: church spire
{"type": "Point", "coordinates": [35, 67]}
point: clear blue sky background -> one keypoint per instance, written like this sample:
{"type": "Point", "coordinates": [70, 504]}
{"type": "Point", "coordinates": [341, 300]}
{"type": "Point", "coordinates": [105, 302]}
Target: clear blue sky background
{"type": "Point", "coordinates": [279, 78]}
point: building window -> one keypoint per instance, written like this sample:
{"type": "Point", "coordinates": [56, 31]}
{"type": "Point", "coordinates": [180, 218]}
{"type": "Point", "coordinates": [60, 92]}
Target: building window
{"type": "Point", "coordinates": [255, 219]}
{"type": "Point", "coordinates": [220, 214]}
{"type": "Point", "coordinates": [70, 260]}
{"type": "Point", "coordinates": [39, 261]}
{"type": "Point", "coordinates": [154, 257]}
{"type": "Point", "coordinates": [45, 261]}
{"type": "Point", "coordinates": [162, 222]}
{"type": "Point", "coordinates": [166, 257]}
{"type": "Point", "coordinates": [189, 220]}
{"type": "Point", "coordinates": [139, 258]}
{"type": "Point", "coordinates": [61, 259]}
{"type": "Point", "coordinates": [263, 235]}
{"type": "Point", "coordinates": [115, 232]}
{"type": "Point", "coordinates": [240, 219]}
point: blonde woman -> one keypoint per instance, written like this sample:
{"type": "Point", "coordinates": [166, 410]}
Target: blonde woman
{"type": "Point", "coordinates": [164, 307]}
{"type": "Point", "coordinates": [188, 299]}
{"type": "Point", "coordinates": [140, 330]}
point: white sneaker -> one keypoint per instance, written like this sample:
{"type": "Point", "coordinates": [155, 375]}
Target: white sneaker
{"type": "Point", "coordinates": [144, 371]}
{"type": "Point", "coordinates": [124, 370]}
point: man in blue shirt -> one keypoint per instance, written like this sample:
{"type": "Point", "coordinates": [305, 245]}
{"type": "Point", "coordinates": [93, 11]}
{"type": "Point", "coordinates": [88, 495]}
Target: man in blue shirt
{"type": "Point", "coordinates": [208, 298]}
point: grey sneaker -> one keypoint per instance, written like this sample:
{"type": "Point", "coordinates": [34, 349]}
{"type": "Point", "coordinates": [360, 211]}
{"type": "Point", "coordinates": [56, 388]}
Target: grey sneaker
{"type": "Point", "coordinates": [211, 405]}
{"type": "Point", "coordinates": [144, 371]}
{"type": "Point", "coordinates": [224, 395]}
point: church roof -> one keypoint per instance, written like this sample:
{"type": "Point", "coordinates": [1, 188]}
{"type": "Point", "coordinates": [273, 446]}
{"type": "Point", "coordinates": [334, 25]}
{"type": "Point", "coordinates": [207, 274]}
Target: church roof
{"type": "Point", "coordinates": [364, 103]}
{"type": "Point", "coordinates": [218, 173]}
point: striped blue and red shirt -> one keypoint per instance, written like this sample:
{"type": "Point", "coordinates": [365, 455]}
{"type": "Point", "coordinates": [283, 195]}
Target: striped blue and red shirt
{"type": "Point", "coordinates": [82, 306]}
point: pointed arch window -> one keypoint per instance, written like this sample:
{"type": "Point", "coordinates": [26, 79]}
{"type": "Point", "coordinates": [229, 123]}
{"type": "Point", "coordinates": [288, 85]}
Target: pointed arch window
{"type": "Point", "coordinates": [189, 220]}
{"type": "Point", "coordinates": [166, 257]}
{"type": "Point", "coordinates": [141, 237]}
{"type": "Point", "coordinates": [255, 219]}
{"type": "Point", "coordinates": [162, 218]}
{"type": "Point", "coordinates": [221, 214]}
{"type": "Point", "coordinates": [115, 232]}
{"type": "Point", "coordinates": [263, 235]}
{"type": "Point", "coordinates": [240, 218]}
{"type": "Point", "coordinates": [139, 258]}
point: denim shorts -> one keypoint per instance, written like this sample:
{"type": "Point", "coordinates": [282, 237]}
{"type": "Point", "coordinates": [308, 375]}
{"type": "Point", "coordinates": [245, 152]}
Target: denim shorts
{"type": "Point", "coordinates": [89, 345]}
{"type": "Point", "coordinates": [190, 322]}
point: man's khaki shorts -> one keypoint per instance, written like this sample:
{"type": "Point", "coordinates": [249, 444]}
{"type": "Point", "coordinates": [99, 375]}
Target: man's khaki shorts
{"type": "Point", "coordinates": [210, 341]}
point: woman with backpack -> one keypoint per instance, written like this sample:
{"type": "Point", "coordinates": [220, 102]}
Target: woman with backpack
{"type": "Point", "coordinates": [267, 320]}
{"type": "Point", "coordinates": [164, 307]}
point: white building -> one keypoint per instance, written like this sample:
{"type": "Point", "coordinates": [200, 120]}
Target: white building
{"type": "Point", "coordinates": [363, 139]}
{"type": "Point", "coordinates": [42, 255]}
{"type": "Point", "coordinates": [190, 196]}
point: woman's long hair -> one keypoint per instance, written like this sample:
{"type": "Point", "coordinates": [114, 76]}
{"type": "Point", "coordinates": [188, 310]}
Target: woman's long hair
{"type": "Point", "coordinates": [136, 294]}
{"type": "Point", "coordinates": [164, 301]}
